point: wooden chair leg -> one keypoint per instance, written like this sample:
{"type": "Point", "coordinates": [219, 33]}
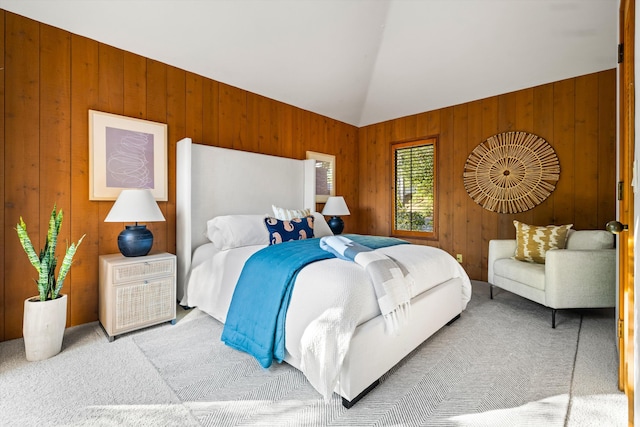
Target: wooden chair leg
{"type": "Point", "coordinates": [553, 318]}
{"type": "Point", "coordinates": [490, 291]}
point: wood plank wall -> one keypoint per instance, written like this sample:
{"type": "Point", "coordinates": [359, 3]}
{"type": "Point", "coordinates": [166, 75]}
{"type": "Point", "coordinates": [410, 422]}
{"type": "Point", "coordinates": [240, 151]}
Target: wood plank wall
{"type": "Point", "coordinates": [576, 116]}
{"type": "Point", "coordinates": [50, 79]}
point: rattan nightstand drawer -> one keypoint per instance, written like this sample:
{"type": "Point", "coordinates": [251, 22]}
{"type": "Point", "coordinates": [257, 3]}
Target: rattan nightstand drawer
{"type": "Point", "coordinates": [142, 270]}
{"type": "Point", "coordinates": [144, 303]}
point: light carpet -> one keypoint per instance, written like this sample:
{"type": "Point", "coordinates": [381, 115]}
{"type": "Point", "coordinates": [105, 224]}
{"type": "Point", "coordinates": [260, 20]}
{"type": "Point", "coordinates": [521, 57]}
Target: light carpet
{"type": "Point", "coordinates": [500, 364]}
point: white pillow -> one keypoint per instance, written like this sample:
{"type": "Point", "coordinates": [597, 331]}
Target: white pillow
{"type": "Point", "coordinates": [284, 214]}
{"type": "Point", "coordinates": [320, 226]}
{"type": "Point", "coordinates": [234, 231]}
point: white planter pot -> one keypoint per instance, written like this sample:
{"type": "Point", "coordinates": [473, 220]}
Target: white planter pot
{"type": "Point", "coordinates": [43, 327]}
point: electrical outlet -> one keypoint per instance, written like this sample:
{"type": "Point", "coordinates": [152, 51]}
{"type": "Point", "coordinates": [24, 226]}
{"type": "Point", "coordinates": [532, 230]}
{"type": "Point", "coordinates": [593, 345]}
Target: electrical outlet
{"type": "Point", "coordinates": [459, 258]}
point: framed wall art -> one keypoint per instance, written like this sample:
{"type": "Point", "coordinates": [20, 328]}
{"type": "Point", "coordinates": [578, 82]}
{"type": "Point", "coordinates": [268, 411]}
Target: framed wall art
{"type": "Point", "coordinates": [125, 152]}
{"type": "Point", "coordinates": [325, 175]}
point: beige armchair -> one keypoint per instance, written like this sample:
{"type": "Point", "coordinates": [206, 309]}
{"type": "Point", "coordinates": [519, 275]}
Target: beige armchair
{"type": "Point", "coordinates": [580, 276]}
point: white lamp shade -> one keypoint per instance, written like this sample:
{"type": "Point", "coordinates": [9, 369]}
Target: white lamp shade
{"type": "Point", "coordinates": [336, 206]}
{"type": "Point", "coordinates": [135, 205]}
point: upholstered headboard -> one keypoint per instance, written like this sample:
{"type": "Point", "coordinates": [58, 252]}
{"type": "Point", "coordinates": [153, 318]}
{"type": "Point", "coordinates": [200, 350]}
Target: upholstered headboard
{"type": "Point", "coordinates": [213, 181]}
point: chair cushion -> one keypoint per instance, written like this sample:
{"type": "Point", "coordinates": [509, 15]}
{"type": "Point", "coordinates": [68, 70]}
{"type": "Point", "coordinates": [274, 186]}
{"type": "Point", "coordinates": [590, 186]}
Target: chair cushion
{"type": "Point", "coordinates": [533, 242]}
{"type": "Point", "coordinates": [529, 273]}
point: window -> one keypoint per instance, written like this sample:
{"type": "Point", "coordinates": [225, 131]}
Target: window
{"type": "Point", "coordinates": [414, 193]}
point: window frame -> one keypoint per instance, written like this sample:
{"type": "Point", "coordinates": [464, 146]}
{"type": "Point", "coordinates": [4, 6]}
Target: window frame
{"type": "Point", "coordinates": [430, 235]}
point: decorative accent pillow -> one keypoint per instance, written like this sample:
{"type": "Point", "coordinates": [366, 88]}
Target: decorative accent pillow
{"type": "Point", "coordinates": [287, 214]}
{"type": "Point", "coordinates": [533, 242]}
{"type": "Point", "coordinates": [234, 231]}
{"type": "Point", "coordinates": [285, 231]}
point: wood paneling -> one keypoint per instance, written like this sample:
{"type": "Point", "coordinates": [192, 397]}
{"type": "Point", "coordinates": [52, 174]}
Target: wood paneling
{"type": "Point", "coordinates": [606, 147]}
{"type": "Point", "coordinates": [489, 227]}
{"type": "Point", "coordinates": [446, 179]}
{"type": "Point", "coordinates": [563, 141]}
{"type": "Point", "coordinates": [22, 164]}
{"type": "Point", "coordinates": [55, 129]}
{"type": "Point", "coordinates": [474, 259]}
{"type": "Point", "coordinates": [576, 116]}
{"type": "Point", "coordinates": [543, 118]}
{"type": "Point", "coordinates": [52, 78]}
{"type": "Point", "coordinates": [84, 215]}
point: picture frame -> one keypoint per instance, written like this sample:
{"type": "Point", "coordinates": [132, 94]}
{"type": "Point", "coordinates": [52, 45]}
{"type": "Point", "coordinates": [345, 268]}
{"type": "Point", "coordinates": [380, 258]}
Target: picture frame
{"type": "Point", "coordinates": [325, 175]}
{"type": "Point", "coordinates": [126, 152]}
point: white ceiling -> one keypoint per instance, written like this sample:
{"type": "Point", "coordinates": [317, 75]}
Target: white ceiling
{"type": "Point", "coordinates": [357, 61]}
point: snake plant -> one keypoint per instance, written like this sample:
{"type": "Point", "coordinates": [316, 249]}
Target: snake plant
{"type": "Point", "coordinates": [48, 286]}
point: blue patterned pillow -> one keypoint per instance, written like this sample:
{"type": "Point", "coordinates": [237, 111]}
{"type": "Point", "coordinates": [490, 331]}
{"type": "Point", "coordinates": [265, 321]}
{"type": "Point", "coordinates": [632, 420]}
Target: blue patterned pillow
{"type": "Point", "coordinates": [284, 231]}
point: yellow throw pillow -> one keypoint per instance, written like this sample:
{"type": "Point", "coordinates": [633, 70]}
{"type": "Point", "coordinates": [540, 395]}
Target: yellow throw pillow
{"type": "Point", "coordinates": [533, 242]}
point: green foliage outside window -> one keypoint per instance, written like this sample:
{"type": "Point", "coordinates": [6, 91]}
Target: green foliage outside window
{"type": "Point", "coordinates": [414, 188]}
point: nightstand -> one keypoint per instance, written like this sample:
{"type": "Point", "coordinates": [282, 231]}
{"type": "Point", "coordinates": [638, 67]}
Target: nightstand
{"type": "Point", "coordinates": [136, 292]}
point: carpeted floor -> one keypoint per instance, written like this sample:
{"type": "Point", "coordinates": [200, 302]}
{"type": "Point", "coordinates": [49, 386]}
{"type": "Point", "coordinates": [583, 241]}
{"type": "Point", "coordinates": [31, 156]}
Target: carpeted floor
{"type": "Point", "coordinates": [500, 364]}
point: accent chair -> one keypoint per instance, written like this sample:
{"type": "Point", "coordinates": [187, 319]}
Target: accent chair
{"type": "Point", "coordinates": [582, 275]}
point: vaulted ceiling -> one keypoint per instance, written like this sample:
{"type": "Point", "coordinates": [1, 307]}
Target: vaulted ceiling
{"type": "Point", "coordinates": [357, 61]}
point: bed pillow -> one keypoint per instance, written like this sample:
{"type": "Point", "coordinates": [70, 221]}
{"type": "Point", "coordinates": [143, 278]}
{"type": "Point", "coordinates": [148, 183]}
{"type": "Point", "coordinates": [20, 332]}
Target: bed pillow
{"type": "Point", "coordinates": [284, 214]}
{"type": "Point", "coordinates": [234, 231]}
{"type": "Point", "coordinates": [285, 231]}
{"type": "Point", "coordinates": [320, 226]}
{"type": "Point", "coordinates": [533, 242]}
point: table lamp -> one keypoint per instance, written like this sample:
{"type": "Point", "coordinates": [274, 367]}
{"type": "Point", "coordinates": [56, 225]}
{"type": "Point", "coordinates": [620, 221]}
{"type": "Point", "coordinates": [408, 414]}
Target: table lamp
{"type": "Point", "coordinates": [135, 205]}
{"type": "Point", "coordinates": [335, 207]}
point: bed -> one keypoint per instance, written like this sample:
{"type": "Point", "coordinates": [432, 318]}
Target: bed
{"type": "Point", "coordinates": [236, 187]}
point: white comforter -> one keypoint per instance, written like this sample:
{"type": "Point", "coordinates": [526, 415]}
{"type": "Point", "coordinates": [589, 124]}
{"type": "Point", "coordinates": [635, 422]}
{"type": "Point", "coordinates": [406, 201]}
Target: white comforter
{"type": "Point", "coordinates": [331, 293]}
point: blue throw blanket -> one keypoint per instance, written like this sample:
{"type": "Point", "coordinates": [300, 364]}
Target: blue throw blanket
{"type": "Point", "coordinates": [256, 318]}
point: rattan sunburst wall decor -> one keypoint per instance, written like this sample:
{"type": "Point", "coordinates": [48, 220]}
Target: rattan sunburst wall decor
{"type": "Point", "coordinates": [511, 172]}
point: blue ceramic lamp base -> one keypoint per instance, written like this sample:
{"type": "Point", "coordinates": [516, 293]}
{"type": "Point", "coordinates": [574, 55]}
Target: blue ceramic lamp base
{"type": "Point", "coordinates": [336, 224]}
{"type": "Point", "coordinates": [135, 240]}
